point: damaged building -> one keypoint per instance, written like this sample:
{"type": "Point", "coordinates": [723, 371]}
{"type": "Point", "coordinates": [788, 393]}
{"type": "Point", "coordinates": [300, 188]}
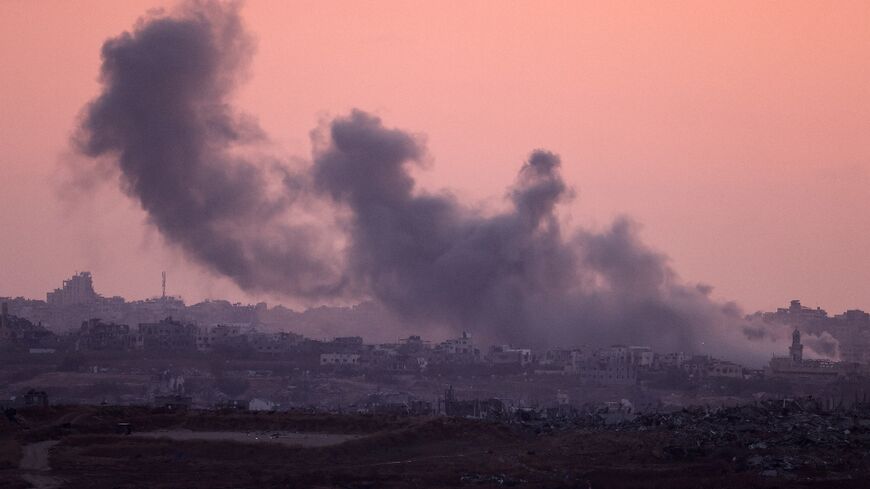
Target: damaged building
{"type": "Point", "coordinates": [19, 333]}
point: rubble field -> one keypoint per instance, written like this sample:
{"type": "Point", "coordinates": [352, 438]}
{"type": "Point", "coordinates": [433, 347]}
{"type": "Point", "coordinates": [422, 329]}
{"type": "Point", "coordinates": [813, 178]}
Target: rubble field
{"type": "Point", "coordinates": [775, 444]}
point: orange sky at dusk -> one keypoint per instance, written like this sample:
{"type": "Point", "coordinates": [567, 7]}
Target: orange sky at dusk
{"type": "Point", "coordinates": [737, 133]}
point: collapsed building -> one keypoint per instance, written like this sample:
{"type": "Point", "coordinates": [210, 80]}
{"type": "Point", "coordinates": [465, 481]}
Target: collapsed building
{"type": "Point", "coordinates": [16, 332]}
{"type": "Point", "coordinates": [168, 334]}
{"type": "Point", "coordinates": [273, 343]}
{"type": "Point", "coordinates": [472, 408]}
{"type": "Point", "coordinates": [96, 335]}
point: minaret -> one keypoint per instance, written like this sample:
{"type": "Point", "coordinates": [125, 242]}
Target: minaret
{"type": "Point", "coordinates": [796, 349]}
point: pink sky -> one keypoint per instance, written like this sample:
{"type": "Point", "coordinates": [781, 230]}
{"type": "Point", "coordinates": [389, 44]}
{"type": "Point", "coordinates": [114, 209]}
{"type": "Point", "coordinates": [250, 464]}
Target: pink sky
{"type": "Point", "coordinates": [736, 133]}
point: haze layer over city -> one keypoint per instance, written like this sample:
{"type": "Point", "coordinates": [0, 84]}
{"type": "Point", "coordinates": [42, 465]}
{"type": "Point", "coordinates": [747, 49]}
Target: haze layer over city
{"type": "Point", "coordinates": [389, 219]}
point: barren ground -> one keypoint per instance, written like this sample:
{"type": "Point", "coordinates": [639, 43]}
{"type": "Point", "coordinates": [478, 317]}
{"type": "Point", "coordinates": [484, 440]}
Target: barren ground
{"type": "Point", "coordinates": [395, 452]}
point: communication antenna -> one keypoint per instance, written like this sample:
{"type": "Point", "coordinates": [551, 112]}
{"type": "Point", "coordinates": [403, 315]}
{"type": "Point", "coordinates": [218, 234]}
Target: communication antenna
{"type": "Point", "coordinates": [164, 285]}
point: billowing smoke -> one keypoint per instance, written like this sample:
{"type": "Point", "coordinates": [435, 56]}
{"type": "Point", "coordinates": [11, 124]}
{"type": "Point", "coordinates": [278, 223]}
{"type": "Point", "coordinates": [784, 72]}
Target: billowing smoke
{"type": "Point", "coordinates": [514, 277]}
{"type": "Point", "coordinates": [823, 345]}
{"type": "Point", "coordinates": [164, 119]}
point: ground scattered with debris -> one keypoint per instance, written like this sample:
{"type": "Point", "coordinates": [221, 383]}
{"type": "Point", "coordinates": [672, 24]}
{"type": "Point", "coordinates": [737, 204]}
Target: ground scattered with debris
{"type": "Point", "coordinates": [766, 445]}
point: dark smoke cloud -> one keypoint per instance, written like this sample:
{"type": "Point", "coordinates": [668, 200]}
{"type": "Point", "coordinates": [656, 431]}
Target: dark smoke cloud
{"type": "Point", "coordinates": [515, 277]}
{"type": "Point", "coordinates": [163, 117]}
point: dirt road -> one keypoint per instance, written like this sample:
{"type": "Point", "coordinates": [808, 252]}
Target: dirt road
{"type": "Point", "coordinates": [34, 459]}
{"type": "Point", "coordinates": [282, 437]}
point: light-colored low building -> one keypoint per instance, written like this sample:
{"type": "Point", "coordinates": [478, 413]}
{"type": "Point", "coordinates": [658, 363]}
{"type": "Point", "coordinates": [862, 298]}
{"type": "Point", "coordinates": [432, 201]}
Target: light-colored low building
{"type": "Point", "coordinates": [456, 350]}
{"type": "Point", "coordinates": [720, 368]}
{"type": "Point", "coordinates": [351, 359]}
{"type": "Point", "coordinates": [640, 356]}
{"type": "Point", "coordinates": [506, 355]}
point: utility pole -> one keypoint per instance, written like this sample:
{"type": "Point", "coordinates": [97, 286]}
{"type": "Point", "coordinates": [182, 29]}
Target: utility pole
{"type": "Point", "coordinates": [164, 285]}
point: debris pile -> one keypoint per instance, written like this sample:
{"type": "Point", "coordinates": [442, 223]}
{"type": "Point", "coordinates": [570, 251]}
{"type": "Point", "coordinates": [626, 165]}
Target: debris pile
{"type": "Point", "coordinates": [788, 438]}
{"type": "Point", "coordinates": [775, 438]}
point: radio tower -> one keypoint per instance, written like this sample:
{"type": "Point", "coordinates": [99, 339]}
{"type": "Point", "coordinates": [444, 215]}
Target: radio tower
{"type": "Point", "coordinates": [164, 286]}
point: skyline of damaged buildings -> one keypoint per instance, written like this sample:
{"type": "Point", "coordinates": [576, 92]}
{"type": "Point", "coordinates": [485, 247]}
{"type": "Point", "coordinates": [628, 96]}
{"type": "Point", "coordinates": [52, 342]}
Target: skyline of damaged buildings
{"type": "Point", "coordinates": [844, 337]}
{"type": "Point", "coordinates": [76, 318]}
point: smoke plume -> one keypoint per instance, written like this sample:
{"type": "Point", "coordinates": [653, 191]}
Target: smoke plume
{"type": "Point", "coordinates": [515, 276]}
{"type": "Point", "coordinates": [164, 120]}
